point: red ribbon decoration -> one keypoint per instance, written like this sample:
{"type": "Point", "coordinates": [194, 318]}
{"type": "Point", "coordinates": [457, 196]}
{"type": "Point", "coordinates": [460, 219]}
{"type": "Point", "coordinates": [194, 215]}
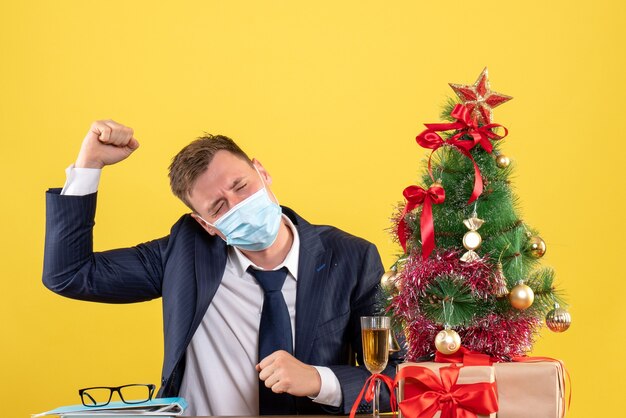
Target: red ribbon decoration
{"type": "Point", "coordinates": [473, 358]}
{"type": "Point", "coordinates": [445, 395]}
{"type": "Point", "coordinates": [368, 391]}
{"type": "Point", "coordinates": [466, 126]}
{"type": "Point", "coordinates": [416, 196]}
{"type": "Point", "coordinates": [466, 357]}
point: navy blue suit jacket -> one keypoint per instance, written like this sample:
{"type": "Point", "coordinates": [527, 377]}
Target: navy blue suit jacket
{"type": "Point", "coordinates": [338, 278]}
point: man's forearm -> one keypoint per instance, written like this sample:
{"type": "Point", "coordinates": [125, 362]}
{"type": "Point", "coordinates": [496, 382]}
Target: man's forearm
{"type": "Point", "coordinates": [73, 269]}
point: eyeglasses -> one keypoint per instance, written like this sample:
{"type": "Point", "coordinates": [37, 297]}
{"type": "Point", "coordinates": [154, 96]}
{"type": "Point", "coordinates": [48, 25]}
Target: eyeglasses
{"type": "Point", "coordinates": [130, 394]}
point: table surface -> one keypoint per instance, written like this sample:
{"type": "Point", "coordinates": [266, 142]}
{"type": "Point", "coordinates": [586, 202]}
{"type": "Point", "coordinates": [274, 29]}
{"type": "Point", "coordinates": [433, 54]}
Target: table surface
{"type": "Point", "coordinates": [384, 414]}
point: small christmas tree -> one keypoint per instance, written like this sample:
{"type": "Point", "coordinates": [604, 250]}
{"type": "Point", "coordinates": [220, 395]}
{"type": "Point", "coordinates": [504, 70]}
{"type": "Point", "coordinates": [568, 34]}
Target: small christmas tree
{"type": "Point", "coordinates": [470, 271]}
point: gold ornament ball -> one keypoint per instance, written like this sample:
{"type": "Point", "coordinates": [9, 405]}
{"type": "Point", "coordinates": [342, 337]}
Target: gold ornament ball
{"type": "Point", "coordinates": [387, 280]}
{"type": "Point", "coordinates": [521, 296]}
{"type": "Point", "coordinates": [447, 341]}
{"type": "Point", "coordinates": [536, 247]}
{"type": "Point", "coordinates": [502, 161]}
{"type": "Point", "coordinates": [558, 319]}
{"type": "Point", "coordinates": [472, 240]}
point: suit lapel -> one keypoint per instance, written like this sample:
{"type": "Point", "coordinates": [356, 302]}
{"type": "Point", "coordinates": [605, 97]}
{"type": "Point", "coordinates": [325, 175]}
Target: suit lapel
{"type": "Point", "coordinates": [313, 268]}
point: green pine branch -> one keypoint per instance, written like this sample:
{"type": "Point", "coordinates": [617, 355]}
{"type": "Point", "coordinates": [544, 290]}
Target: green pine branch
{"type": "Point", "coordinates": [448, 300]}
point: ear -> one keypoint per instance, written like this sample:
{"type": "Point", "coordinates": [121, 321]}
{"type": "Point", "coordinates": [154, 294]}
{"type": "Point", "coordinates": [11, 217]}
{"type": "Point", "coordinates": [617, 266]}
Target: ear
{"type": "Point", "coordinates": [208, 228]}
{"type": "Point", "coordinates": [262, 171]}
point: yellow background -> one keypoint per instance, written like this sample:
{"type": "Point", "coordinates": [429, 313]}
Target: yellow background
{"type": "Point", "coordinates": [329, 95]}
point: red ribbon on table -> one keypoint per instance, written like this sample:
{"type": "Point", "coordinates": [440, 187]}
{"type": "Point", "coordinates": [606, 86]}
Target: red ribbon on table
{"type": "Point", "coordinates": [368, 391]}
{"type": "Point", "coordinates": [465, 125]}
{"type": "Point", "coordinates": [416, 196]}
{"type": "Point", "coordinates": [445, 395]}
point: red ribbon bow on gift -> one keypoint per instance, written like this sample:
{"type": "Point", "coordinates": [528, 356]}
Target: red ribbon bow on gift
{"type": "Point", "coordinates": [467, 357]}
{"type": "Point", "coordinates": [445, 395]}
{"type": "Point", "coordinates": [416, 196]}
{"type": "Point", "coordinates": [466, 126]}
{"type": "Point", "coordinates": [368, 391]}
{"type": "Point", "coordinates": [474, 358]}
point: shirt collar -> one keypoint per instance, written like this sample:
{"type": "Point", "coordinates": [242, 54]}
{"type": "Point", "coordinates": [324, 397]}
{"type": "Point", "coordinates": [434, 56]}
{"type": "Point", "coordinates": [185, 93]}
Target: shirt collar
{"type": "Point", "coordinates": [241, 262]}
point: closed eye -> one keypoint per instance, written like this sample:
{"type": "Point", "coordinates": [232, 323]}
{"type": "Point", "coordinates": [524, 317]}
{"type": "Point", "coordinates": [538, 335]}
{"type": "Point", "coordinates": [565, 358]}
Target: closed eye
{"type": "Point", "coordinates": [217, 210]}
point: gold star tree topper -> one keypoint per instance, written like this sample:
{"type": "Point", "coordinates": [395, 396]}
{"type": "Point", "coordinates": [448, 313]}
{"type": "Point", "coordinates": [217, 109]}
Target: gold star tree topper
{"type": "Point", "coordinates": [479, 98]}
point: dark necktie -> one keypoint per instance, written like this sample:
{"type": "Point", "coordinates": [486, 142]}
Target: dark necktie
{"type": "Point", "coordinates": [274, 334]}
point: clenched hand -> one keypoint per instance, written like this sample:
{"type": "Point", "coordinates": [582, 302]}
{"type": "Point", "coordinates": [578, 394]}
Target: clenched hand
{"type": "Point", "coordinates": [106, 143]}
{"type": "Point", "coordinates": [282, 372]}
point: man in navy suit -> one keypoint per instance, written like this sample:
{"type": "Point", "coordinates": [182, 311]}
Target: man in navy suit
{"type": "Point", "coordinates": [206, 269]}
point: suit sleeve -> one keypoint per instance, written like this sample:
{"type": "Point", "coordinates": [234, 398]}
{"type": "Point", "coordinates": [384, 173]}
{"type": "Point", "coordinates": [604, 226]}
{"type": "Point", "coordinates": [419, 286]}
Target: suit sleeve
{"type": "Point", "coordinates": [72, 269]}
{"type": "Point", "coordinates": [365, 303]}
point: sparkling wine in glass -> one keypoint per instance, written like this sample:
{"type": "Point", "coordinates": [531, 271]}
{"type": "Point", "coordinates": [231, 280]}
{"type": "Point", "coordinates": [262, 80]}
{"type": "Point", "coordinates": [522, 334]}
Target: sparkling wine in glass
{"type": "Point", "coordinates": [375, 336]}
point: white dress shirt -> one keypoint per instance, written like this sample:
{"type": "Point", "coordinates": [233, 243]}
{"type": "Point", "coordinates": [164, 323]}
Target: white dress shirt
{"type": "Point", "coordinates": [220, 377]}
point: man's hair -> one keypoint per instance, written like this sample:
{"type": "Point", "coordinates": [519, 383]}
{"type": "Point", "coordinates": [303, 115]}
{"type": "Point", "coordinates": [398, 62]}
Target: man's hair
{"type": "Point", "coordinates": [194, 159]}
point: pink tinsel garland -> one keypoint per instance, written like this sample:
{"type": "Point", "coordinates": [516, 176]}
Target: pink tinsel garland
{"type": "Point", "coordinates": [500, 336]}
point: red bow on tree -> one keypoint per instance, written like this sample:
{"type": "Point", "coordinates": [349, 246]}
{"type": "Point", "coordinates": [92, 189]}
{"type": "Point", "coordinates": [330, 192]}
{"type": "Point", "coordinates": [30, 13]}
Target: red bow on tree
{"type": "Point", "coordinates": [445, 395]}
{"type": "Point", "coordinates": [416, 196]}
{"type": "Point", "coordinates": [465, 126]}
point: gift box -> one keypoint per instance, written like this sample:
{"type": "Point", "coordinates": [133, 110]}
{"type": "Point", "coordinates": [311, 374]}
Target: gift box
{"type": "Point", "coordinates": [529, 388]}
{"type": "Point", "coordinates": [473, 389]}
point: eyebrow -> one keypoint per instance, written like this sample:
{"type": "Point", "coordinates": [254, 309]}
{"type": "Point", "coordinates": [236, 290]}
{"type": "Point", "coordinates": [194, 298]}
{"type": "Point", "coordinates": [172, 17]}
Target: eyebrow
{"type": "Point", "coordinates": [234, 184]}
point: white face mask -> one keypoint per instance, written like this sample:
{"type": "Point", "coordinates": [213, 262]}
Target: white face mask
{"type": "Point", "coordinates": [252, 224]}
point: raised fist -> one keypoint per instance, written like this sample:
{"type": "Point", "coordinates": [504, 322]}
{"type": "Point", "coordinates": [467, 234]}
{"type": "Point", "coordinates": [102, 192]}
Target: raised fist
{"type": "Point", "coordinates": [106, 143]}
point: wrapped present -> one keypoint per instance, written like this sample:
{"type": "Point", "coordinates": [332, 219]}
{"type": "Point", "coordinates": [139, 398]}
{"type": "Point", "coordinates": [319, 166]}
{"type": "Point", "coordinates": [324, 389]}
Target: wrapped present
{"type": "Point", "coordinates": [530, 388]}
{"type": "Point", "coordinates": [429, 389]}
{"type": "Point", "coordinates": [527, 387]}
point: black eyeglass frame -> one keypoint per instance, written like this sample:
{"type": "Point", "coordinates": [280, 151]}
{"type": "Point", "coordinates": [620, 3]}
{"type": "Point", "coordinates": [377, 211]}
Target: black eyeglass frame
{"type": "Point", "coordinates": [81, 392]}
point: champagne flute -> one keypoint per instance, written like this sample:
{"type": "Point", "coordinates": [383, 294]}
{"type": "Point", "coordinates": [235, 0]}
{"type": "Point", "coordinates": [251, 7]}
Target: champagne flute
{"type": "Point", "coordinates": [375, 336]}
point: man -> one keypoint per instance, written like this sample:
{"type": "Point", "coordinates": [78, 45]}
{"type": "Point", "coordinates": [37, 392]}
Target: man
{"type": "Point", "coordinates": [232, 345]}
